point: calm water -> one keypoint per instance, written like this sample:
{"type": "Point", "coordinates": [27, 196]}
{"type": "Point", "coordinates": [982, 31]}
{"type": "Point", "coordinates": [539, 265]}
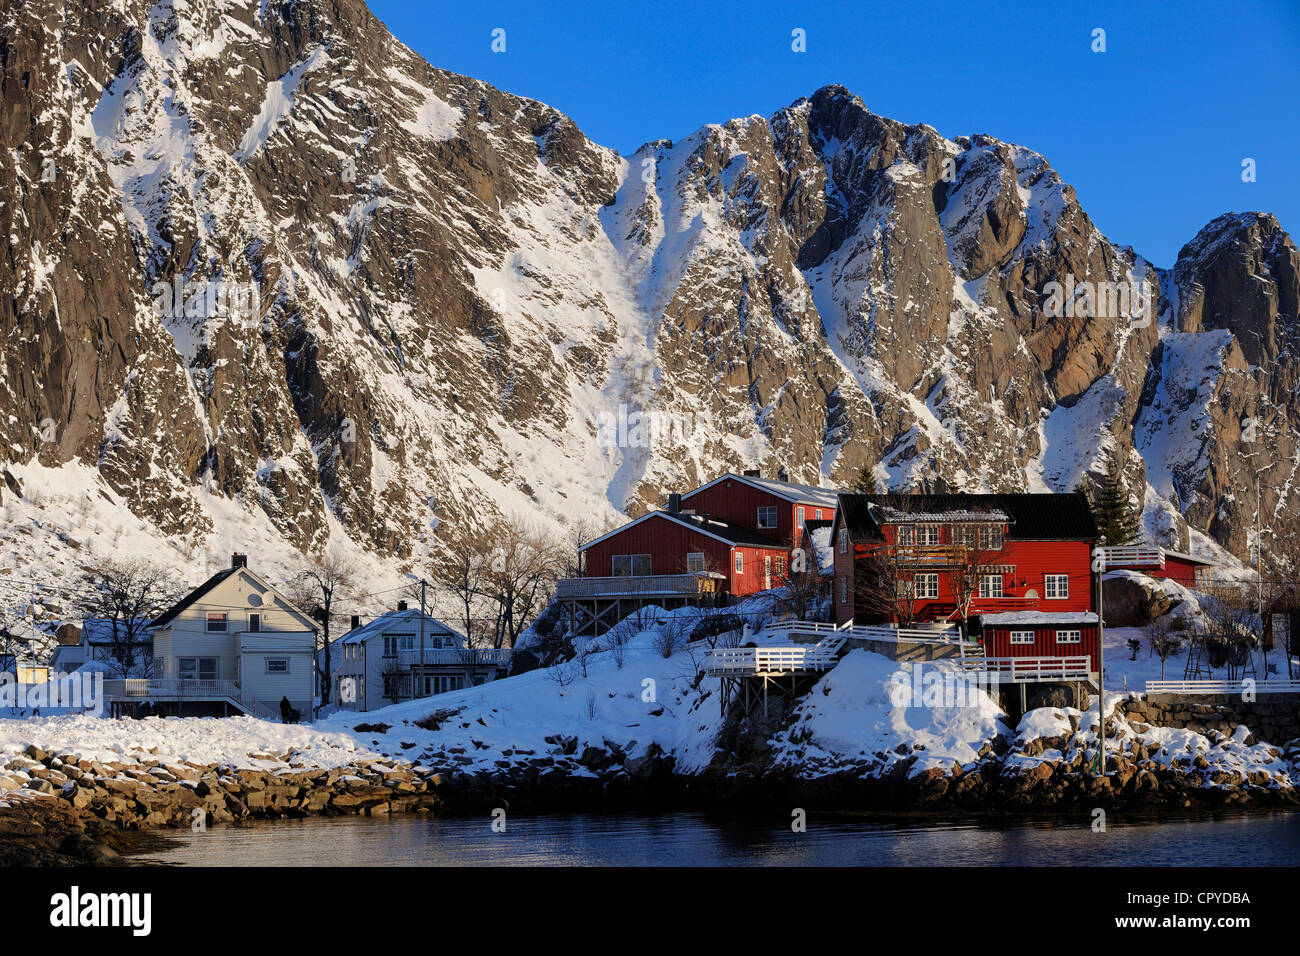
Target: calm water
{"type": "Point", "coordinates": [695, 839]}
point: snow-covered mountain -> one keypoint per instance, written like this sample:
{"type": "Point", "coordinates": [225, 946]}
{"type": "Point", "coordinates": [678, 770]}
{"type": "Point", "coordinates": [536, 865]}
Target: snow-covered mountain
{"type": "Point", "coordinates": [425, 300]}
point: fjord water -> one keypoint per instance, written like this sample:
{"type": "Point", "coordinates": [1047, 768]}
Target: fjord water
{"type": "Point", "coordinates": [697, 839]}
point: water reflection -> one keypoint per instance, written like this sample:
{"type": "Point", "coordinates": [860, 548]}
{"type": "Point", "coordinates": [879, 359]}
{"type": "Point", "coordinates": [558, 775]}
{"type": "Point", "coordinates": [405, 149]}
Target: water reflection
{"type": "Point", "coordinates": [694, 839]}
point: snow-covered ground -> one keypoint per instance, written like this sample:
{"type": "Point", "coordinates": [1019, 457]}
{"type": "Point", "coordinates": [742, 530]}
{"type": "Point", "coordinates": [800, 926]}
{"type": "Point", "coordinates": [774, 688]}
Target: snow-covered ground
{"type": "Point", "coordinates": [237, 741]}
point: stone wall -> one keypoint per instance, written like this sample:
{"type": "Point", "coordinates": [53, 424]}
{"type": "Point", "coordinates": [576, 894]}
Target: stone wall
{"type": "Point", "coordinates": [1271, 717]}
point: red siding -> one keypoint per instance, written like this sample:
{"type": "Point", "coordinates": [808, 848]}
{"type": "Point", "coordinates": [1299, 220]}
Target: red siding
{"type": "Point", "coordinates": [997, 642]}
{"type": "Point", "coordinates": [733, 500]}
{"type": "Point", "coordinates": [668, 542]}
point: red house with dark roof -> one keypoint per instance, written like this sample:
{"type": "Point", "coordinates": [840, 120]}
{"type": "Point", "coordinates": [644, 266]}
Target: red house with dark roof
{"type": "Point", "coordinates": [769, 506]}
{"type": "Point", "coordinates": [1016, 567]}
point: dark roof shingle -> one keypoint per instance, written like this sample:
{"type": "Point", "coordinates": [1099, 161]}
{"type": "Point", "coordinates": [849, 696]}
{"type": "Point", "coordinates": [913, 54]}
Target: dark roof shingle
{"type": "Point", "coordinates": [1033, 517]}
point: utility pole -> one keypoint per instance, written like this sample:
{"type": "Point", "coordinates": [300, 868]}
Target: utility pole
{"type": "Point", "coordinates": [423, 584]}
{"type": "Point", "coordinates": [1099, 566]}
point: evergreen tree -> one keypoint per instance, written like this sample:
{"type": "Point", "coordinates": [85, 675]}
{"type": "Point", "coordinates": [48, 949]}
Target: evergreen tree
{"type": "Point", "coordinates": [866, 483]}
{"type": "Point", "coordinates": [1118, 523]}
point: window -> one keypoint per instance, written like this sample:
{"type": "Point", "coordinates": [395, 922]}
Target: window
{"type": "Point", "coordinates": [634, 565]}
{"type": "Point", "coordinates": [844, 589]}
{"type": "Point", "coordinates": [767, 516]}
{"type": "Point", "coordinates": [197, 668]}
{"type": "Point", "coordinates": [819, 514]}
{"type": "Point", "coordinates": [1056, 587]}
{"type": "Point", "coordinates": [444, 683]}
{"type": "Point", "coordinates": [1022, 637]}
{"type": "Point", "coordinates": [254, 623]}
{"type": "Point", "coordinates": [216, 620]}
{"type": "Point", "coordinates": [906, 535]}
{"type": "Point", "coordinates": [1068, 637]}
{"type": "Point", "coordinates": [991, 586]}
{"type": "Point", "coordinates": [277, 665]}
{"type": "Point", "coordinates": [740, 562]}
{"type": "Point", "coordinates": [800, 512]}
{"type": "Point", "coordinates": [695, 561]}
{"type": "Point", "coordinates": [963, 534]}
{"type": "Point", "coordinates": [844, 540]}
{"type": "Point", "coordinates": [390, 646]}
{"type": "Point", "coordinates": [927, 535]}
{"type": "Point", "coordinates": [990, 538]}
{"type": "Point", "coordinates": [926, 585]}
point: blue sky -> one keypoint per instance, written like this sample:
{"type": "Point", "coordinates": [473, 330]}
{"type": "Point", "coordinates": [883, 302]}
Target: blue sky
{"type": "Point", "coordinates": [1151, 133]}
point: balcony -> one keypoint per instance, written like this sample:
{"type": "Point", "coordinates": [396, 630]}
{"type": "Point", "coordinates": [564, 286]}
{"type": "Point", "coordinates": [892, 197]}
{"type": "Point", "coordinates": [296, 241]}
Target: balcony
{"type": "Point", "coordinates": [644, 585]}
{"type": "Point", "coordinates": [455, 657]}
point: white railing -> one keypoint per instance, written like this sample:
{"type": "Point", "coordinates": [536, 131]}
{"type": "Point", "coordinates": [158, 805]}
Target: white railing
{"type": "Point", "coordinates": [796, 659]}
{"type": "Point", "coordinates": [456, 657]}
{"type": "Point", "coordinates": [1222, 687]}
{"type": "Point", "coordinates": [878, 632]}
{"type": "Point", "coordinates": [625, 585]}
{"type": "Point", "coordinates": [1031, 669]}
{"type": "Point", "coordinates": [1141, 555]}
{"type": "Point", "coordinates": [140, 688]}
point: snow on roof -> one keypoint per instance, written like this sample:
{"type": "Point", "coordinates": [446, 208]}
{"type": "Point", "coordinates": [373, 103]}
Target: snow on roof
{"type": "Point", "coordinates": [1037, 617]}
{"type": "Point", "coordinates": [802, 494]}
{"type": "Point", "coordinates": [394, 619]}
{"type": "Point", "coordinates": [821, 544]}
{"type": "Point", "coordinates": [891, 515]}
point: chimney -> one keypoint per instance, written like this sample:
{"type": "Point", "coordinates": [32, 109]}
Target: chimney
{"type": "Point", "coordinates": [356, 621]}
{"type": "Point", "coordinates": [239, 560]}
{"type": "Point", "coordinates": [401, 605]}
{"type": "Point", "coordinates": [674, 503]}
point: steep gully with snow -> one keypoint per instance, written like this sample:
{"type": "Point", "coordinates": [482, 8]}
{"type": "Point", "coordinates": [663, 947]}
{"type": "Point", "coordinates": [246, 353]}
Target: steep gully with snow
{"type": "Point", "coordinates": [454, 287]}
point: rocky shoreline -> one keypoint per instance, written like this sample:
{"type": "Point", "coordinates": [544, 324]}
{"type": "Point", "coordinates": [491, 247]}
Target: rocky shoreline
{"type": "Point", "coordinates": [73, 811]}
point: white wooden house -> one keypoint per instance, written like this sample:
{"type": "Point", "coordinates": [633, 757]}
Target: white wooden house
{"type": "Point", "coordinates": [234, 644]}
{"type": "Point", "coordinates": [404, 654]}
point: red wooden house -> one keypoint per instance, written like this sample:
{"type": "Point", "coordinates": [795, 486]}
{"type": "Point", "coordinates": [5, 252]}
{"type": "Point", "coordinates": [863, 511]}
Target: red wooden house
{"type": "Point", "coordinates": [1189, 571]}
{"type": "Point", "coordinates": [1021, 564]}
{"type": "Point", "coordinates": [678, 543]}
{"type": "Point", "coordinates": [773, 508]}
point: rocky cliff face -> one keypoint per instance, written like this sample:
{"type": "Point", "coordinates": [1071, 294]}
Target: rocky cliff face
{"type": "Point", "coordinates": [408, 299]}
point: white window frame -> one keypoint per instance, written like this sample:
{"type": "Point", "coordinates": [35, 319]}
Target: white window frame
{"type": "Point", "coordinates": [277, 670]}
{"type": "Point", "coordinates": [844, 589]}
{"type": "Point", "coordinates": [987, 589]}
{"type": "Point", "coordinates": [739, 564]}
{"type": "Point", "coordinates": [768, 513]}
{"type": "Point", "coordinates": [695, 558]}
{"type": "Point", "coordinates": [1054, 582]}
{"type": "Point", "coordinates": [216, 617]}
{"type": "Point", "coordinates": [1063, 636]}
{"type": "Point", "coordinates": [930, 590]}
{"type": "Point", "coordinates": [844, 540]}
{"type": "Point", "coordinates": [800, 513]}
{"type": "Point", "coordinates": [1024, 637]}
{"type": "Point", "coordinates": [255, 616]}
{"type": "Point", "coordinates": [927, 535]}
{"type": "Point", "coordinates": [904, 535]}
{"type": "Point", "coordinates": [989, 538]}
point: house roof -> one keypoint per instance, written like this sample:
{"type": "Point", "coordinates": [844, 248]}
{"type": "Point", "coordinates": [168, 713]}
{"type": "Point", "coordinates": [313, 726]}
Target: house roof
{"type": "Point", "coordinates": [99, 630]}
{"type": "Point", "coordinates": [787, 490]}
{"type": "Point", "coordinates": [162, 620]}
{"type": "Point", "coordinates": [1029, 517]}
{"type": "Point", "coordinates": [386, 622]}
{"type": "Point", "coordinates": [725, 531]}
{"type": "Point", "coordinates": [1045, 618]}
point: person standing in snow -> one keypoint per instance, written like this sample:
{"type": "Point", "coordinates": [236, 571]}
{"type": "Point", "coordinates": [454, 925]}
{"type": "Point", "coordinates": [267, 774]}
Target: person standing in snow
{"type": "Point", "coordinates": [285, 710]}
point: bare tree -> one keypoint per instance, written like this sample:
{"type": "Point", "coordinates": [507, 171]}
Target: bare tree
{"type": "Point", "coordinates": [324, 579]}
{"type": "Point", "coordinates": [128, 593]}
{"type": "Point", "coordinates": [799, 580]}
{"type": "Point", "coordinates": [463, 573]}
{"type": "Point", "coordinates": [524, 564]}
{"type": "Point", "coordinates": [970, 553]}
{"type": "Point", "coordinates": [1164, 638]}
{"type": "Point", "coordinates": [1230, 616]}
